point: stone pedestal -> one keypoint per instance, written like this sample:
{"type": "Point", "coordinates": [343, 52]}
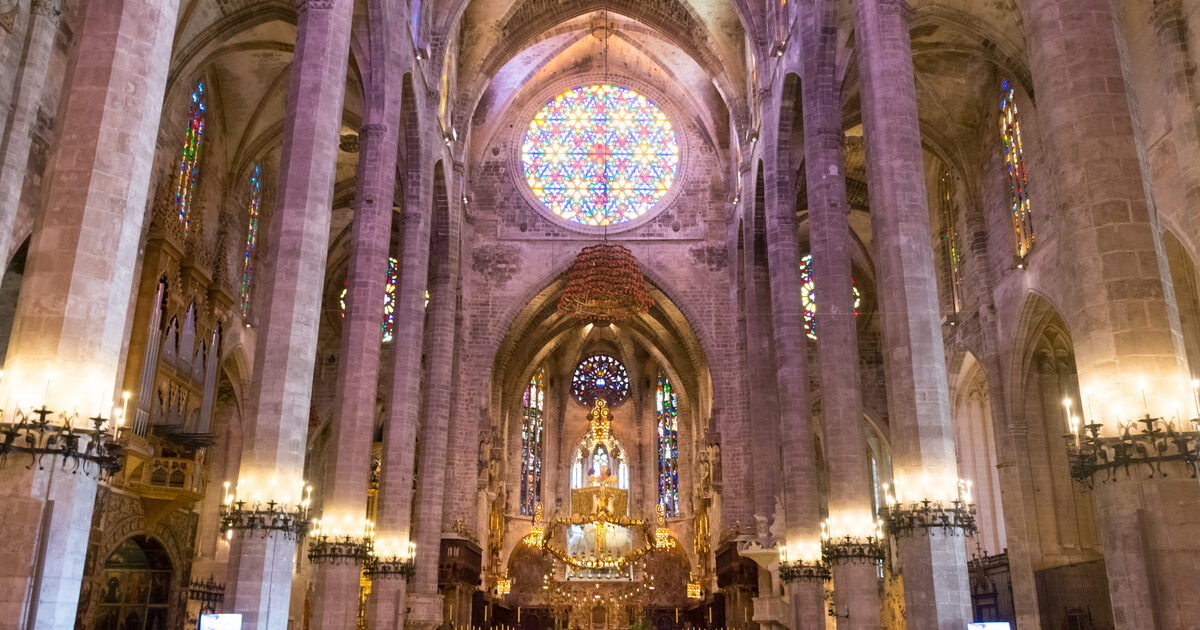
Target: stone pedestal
{"type": "Point", "coordinates": [935, 579]}
{"type": "Point", "coordinates": [259, 582]}
{"type": "Point", "coordinates": [424, 611]}
{"type": "Point", "coordinates": [807, 605]}
{"type": "Point", "coordinates": [1149, 556]}
{"type": "Point", "coordinates": [387, 607]}
{"type": "Point", "coordinates": [48, 518]}
{"type": "Point", "coordinates": [772, 613]}
{"type": "Point", "coordinates": [334, 606]}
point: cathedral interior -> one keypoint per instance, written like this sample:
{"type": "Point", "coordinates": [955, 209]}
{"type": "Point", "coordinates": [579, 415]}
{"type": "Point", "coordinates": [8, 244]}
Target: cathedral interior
{"type": "Point", "coordinates": [503, 314]}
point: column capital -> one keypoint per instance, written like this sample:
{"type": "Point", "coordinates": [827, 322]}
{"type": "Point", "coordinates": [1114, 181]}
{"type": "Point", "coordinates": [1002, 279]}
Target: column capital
{"type": "Point", "coordinates": [896, 7]}
{"type": "Point", "coordinates": [373, 130]}
{"type": "Point", "coordinates": [303, 6]}
{"type": "Point", "coordinates": [45, 8]}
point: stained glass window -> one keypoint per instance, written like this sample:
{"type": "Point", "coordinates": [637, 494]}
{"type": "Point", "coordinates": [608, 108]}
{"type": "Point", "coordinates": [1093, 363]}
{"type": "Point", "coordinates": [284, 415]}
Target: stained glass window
{"type": "Point", "coordinates": [1014, 160]}
{"type": "Point", "coordinates": [252, 208]}
{"type": "Point", "coordinates": [951, 252]}
{"type": "Point", "coordinates": [389, 299]}
{"type": "Point", "coordinates": [668, 446]}
{"type": "Point", "coordinates": [189, 161]}
{"type": "Point", "coordinates": [809, 299]}
{"type": "Point", "coordinates": [533, 407]}
{"type": "Point", "coordinates": [600, 376]}
{"type": "Point", "coordinates": [600, 155]}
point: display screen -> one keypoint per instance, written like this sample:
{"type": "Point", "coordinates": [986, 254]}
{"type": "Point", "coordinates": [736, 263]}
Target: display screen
{"type": "Point", "coordinates": [225, 621]}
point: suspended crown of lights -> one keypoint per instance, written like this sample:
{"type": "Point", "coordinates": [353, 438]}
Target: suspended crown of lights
{"type": "Point", "coordinates": [605, 283]}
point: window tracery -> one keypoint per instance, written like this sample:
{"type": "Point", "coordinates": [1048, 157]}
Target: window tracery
{"type": "Point", "coordinates": [600, 376]}
{"type": "Point", "coordinates": [532, 424]}
{"type": "Point", "coordinates": [951, 251]}
{"type": "Point", "coordinates": [251, 235]}
{"type": "Point", "coordinates": [600, 155]}
{"type": "Point", "coordinates": [668, 446]}
{"type": "Point", "coordinates": [189, 161]}
{"type": "Point", "coordinates": [1018, 180]}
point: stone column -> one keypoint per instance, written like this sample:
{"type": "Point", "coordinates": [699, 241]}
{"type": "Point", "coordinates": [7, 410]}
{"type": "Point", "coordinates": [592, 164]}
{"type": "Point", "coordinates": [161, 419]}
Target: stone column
{"type": "Point", "coordinates": [1122, 314]}
{"type": "Point", "coordinates": [18, 133]}
{"type": "Point", "coordinates": [800, 492]}
{"type": "Point", "coordinates": [344, 489]}
{"type": "Point", "coordinates": [764, 405]}
{"type": "Point", "coordinates": [260, 566]}
{"type": "Point", "coordinates": [70, 321]}
{"type": "Point", "coordinates": [440, 349]}
{"type": "Point", "coordinates": [387, 604]}
{"type": "Point", "coordinates": [856, 587]}
{"type": "Point", "coordinates": [936, 591]}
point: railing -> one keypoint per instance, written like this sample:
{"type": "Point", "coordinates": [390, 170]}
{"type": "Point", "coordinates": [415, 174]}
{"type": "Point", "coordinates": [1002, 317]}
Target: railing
{"type": "Point", "coordinates": [173, 475]}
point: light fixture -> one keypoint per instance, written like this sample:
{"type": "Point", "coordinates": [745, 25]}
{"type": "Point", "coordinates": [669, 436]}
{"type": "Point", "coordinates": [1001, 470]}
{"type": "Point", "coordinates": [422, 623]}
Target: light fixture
{"type": "Point", "coordinates": [694, 590]}
{"type": "Point", "coordinates": [504, 584]}
{"type": "Point", "coordinates": [923, 509]}
{"type": "Point", "coordinates": [536, 533]}
{"type": "Point", "coordinates": [662, 535]}
{"type": "Point", "coordinates": [43, 436]}
{"type": "Point", "coordinates": [605, 283]}
{"type": "Point", "coordinates": [270, 515]}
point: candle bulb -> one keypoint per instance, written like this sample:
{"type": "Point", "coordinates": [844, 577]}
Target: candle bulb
{"type": "Point", "coordinates": [1145, 401]}
{"type": "Point", "coordinates": [1067, 406]}
{"type": "Point", "coordinates": [1196, 395]}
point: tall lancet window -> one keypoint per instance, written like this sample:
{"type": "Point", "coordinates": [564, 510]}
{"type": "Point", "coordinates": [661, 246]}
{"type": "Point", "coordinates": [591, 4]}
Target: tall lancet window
{"type": "Point", "coordinates": [252, 208]}
{"type": "Point", "coordinates": [668, 446]}
{"type": "Point", "coordinates": [951, 249]}
{"type": "Point", "coordinates": [533, 408]}
{"type": "Point", "coordinates": [1018, 181]}
{"type": "Point", "coordinates": [189, 161]}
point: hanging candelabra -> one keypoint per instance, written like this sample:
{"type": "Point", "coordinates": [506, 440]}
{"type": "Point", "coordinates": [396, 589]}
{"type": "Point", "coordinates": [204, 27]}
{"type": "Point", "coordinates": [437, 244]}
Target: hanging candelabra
{"type": "Point", "coordinates": [391, 560]}
{"type": "Point", "coordinates": [928, 509]}
{"type": "Point", "coordinates": [846, 540]}
{"type": "Point", "coordinates": [803, 564]}
{"type": "Point", "coordinates": [39, 436]}
{"type": "Point", "coordinates": [328, 544]}
{"type": "Point", "coordinates": [265, 515]}
{"type": "Point", "coordinates": [1141, 446]}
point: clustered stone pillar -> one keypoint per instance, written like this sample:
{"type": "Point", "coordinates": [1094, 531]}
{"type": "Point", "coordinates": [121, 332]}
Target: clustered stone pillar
{"type": "Point", "coordinates": [344, 488]}
{"type": "Point", "coordinates": [1123, 316]}
{"type": "Point", "coordinates": [387, 603]}
{"type": "Point", "coordinates": [936, 591]}
{"type": "Point", "coordinates": [802, 520]}
{"type": "Point", "coordinates": [440, 337]}
{"type": "Point", "coordinates": [74, 304]}
{"type": "Point", "coordinates": [18, 134]}
{"type": "Point", "coordinates": [261, 565]}
{"type": "Point", "coordinates": [855, 582]}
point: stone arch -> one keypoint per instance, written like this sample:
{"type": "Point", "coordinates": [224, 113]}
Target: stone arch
{"type": "Point", "coordinates": [1062, 518]}
{"type": "Point", "coordinates": [975, 444]}
{"type": "Point", "coordinates": [1186, 284]}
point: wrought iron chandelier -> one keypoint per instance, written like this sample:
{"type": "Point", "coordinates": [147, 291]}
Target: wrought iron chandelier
{"type": "Point", "coordinates": [605, 283]}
